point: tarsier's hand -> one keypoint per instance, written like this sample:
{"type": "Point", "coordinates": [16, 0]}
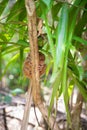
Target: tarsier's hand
{"type": "Point", "coordinates": [28, 65]}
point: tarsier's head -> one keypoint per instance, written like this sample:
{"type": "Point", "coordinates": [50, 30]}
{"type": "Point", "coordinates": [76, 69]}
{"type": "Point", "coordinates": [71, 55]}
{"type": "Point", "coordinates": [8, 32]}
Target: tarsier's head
{"type": "Point", "coordinates": [28, 65]}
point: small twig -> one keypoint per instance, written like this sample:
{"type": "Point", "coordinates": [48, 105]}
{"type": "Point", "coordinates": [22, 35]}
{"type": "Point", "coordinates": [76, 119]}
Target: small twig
{"type": "Point", "coordinates": [4, 117]}
{"type": "Point", "coordinates": [36, 116]}
{"type": "Point", "coordinates": [12, 117]}
{"type": "Point", "coordinates": [27, 108]}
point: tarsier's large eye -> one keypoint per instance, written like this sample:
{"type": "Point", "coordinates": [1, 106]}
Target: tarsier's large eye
{"type": "Point", "coordinates": [28, 65]}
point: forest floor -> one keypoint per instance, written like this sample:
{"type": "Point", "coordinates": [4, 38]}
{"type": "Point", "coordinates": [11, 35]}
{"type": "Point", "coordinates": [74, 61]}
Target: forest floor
{"type": "Point", "coordinates": [11, 114]}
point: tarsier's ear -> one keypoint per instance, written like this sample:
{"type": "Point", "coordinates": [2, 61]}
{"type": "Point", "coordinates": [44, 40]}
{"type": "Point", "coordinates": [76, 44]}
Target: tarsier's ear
{"type": "Point", "coordinates": [28, 65]}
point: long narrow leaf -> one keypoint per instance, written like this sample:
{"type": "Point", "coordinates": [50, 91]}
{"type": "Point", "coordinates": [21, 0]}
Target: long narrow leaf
{"type": "Point", "coordinates": [55, 90]}
{"type": "Point", "coordinates": [9, 50]}
{"type": "Point", "coordinates": [61, 36]}
{"type": "Point", "coordinates": [80, 84]}
{"type": "Point", "coordinates": [80, 40]}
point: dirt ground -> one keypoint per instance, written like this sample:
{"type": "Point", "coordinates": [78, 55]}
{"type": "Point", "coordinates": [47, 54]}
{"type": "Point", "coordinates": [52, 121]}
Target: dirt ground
{"type": "Point", "coordinates": [11, 114]}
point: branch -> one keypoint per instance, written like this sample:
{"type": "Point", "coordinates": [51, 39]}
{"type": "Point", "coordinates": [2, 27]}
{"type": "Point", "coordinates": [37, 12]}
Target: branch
{"type": "Point", "coordinates": [27, 108]}
{"type": "Point", "coordinates": [32, 27]}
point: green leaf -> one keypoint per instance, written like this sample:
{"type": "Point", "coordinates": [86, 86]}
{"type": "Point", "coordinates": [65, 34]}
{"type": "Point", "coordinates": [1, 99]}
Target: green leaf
{"type": "Point", "coordinates": [10, 49]}
{"type": "Point", "coordinates": [55, 10]}
{"type": "Point", "coordinates": [81, 87]}
{"type": "Point", "coordinates": [65, 87]}
{"type": "Point", "coordinates": [3, 5]}
{"type": "Point", "coordinates": [82, 91]}
{"type": "Point", "coordinates": [61, 40]}
{"type": "Point", "coordinates": [48, 29]}
{"type": "Point", "coordinates": [70, 88]}
{"type": "Point", "coordinates": [81, 24]}
{"type": "Point", "coordinates": [85, 75]}
{"type": "Point", "coordinates": [9, 62]}
{"type": "Point", "coordinates": [61, 37]}
{"type": "Point", "coordinates": [48, 3]}
{"type": "Point", "coordinates": [56, 85]}
{"type": "Point", "coordinates": [72, 65]}
{"type": "Point", "coordinates": [21, 60]}
{"type": "Point", "coordinates": [73, 13]}
{"type": "Point", "coordinates": [3, 37]}
{"type": "Point", "coordinates": [23, 43]}
{"type": "Point", "coordinates": [80, 40]}
{"type": "Point", "coordinates": [81, 72]}
{"type": "Point", "coordinates": [17, 91]}
{"type": "Point", "coordinates": [42, 7]}
{"type": "Point", "coordinates": [16, 11]}
{"type": "Point", "coordinates": [7, 99]}
{"type": "Point", "coordinates": [20, 42]}
{"type": "Point", "coordinates": [22, 14]}
{"type": "Point", "coordinates": [45, 6]}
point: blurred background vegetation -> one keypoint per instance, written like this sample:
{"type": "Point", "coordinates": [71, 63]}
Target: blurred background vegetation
{"type": "Point", "coordinates": [13, 41]}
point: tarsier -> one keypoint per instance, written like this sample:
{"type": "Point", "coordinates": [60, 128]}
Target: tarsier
{"type": "Point", "coordinates": [27, 69]}
{"type": "Point", "coordinates": [28, 65]}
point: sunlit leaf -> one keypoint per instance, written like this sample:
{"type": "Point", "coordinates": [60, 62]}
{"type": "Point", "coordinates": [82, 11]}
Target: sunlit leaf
{"type": "Point", "coordinates": [3, 37]}
{"type": "Point", "coordinates": [61, 36]}
{"type": "Point", "coordinates": [70, 88]}
{"type": "Point", "coordinates": [10, 49]}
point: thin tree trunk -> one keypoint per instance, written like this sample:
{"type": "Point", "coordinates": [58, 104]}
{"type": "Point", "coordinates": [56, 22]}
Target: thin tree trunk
{"type": "Point", "coordinates": [76, 111]}
{"type": "Point", "coordinates": [27, 108]}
